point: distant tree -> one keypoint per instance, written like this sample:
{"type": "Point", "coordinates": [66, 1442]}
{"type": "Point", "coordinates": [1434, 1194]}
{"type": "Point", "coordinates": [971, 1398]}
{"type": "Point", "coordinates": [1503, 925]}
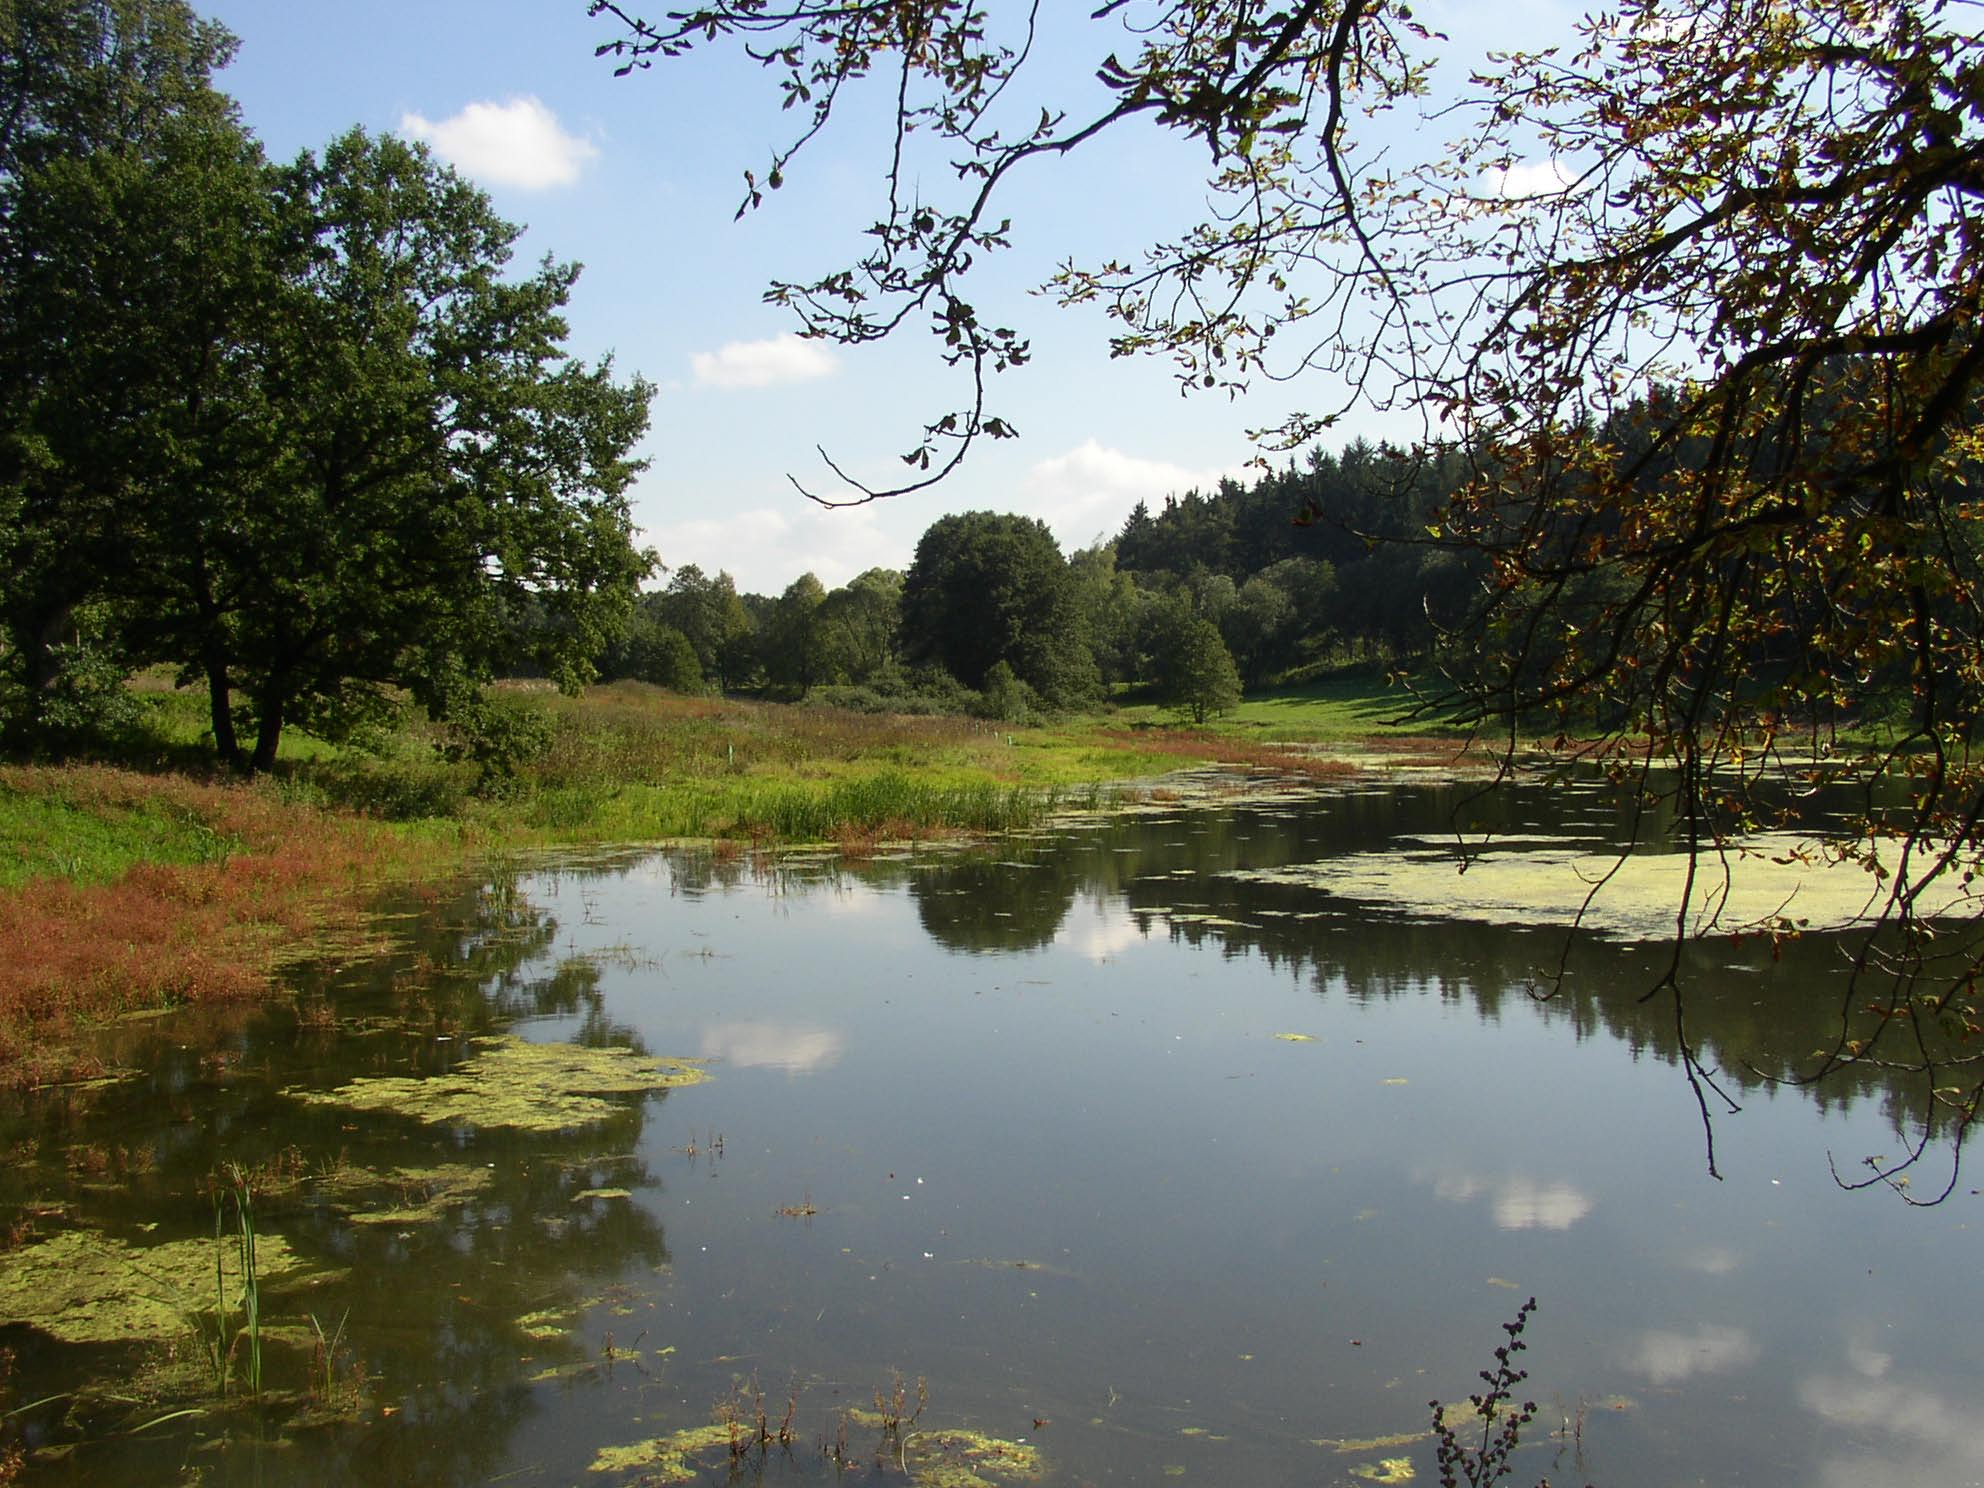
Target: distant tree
{"type": "Point", "coordinates": [707, 611]}
{"type": "Point", "coordinates": [1193, 531]}
{"type": "Point", "coordinates": [1255, 626]}
{"type": "Point", "coordinates": [986, 588]}
{"type": "Point", "coordinates": [861, 625]}
{"type": "Point", "coordinates": [793, 643]}
{"type": "Point", "coordinates": [650, 650]}
{"type": "Point", "coordinates": [1310, 585]}
{"type": "Point", "coordinates": [1004, 696]}
{"type": "Point", "coordinates": [1110, 605]}
{"type": "Point", "coordinates": [1198, 677]}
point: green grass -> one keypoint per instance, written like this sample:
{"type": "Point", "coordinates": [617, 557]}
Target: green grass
{"type": "Point", "coordinates": [1346, 708]}
{"type": "Point", "coordinates": [629, 763]}
{"type": "Point", "coordinates": [44, 834]}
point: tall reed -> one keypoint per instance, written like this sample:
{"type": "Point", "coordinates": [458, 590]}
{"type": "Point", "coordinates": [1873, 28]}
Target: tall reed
{"type": "Point", "coordinates": [227, 1340]}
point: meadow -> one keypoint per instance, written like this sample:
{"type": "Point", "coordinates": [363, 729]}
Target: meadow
{"type": "Point", "coordinates": [150, 879]}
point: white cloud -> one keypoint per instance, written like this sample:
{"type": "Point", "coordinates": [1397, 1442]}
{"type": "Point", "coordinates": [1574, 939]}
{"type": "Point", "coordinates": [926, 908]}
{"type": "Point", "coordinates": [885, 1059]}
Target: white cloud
{"type": "Point", "coordinates": [1527, 180]}
{"type": "Point", "coordinates": [1458, 1188]}
{"type": "Point", "coordinates": [752, 364]}
{"type": "Point", "coordinates": [1892, 1433]}
{"type": "Point", "coordinates": [1091, 488]}
{"type": "Point", "coordinates": [1713, 1260]}
{"type": "Point", "coordinates": [518, 143]}
{"type": "Point", "coordinates": [1526, 1205]}
{"type": "Point", "coordinates": [1714, 1348]}
{"type": "Point", "coordinates": [793, 1047]}
{"type": "Point", "coordinates": [1100, 931]}
{"type": "Point", "coordinates": [764, 548]}
{"type": "Point", "coordinates": [1519, 1203]}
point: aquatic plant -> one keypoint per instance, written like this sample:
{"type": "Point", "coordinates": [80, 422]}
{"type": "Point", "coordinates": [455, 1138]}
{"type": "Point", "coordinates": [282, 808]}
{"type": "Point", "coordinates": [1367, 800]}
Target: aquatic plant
{"type": "Point", "coordinates": [11, 1454]}
{"type": "Point", "coordinates": [224, 1342]}
{"type": "Point", "coordinates": [893, 1405]}
{"type": "Point", "coordinates": [747, 1425]}
{"type": "Point", "coordinates": [888, 803]}
{"type": "Point", "coordinates": [324, 1355]}
{"type": "Point", "coordinates": [521, 1086]}
{"type": "Point", "coordinates": [1501, 1421]}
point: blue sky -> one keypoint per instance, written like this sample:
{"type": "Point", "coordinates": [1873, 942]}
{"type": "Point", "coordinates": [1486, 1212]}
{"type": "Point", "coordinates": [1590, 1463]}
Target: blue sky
{"type": "Point", "coordinates": [638, 178]}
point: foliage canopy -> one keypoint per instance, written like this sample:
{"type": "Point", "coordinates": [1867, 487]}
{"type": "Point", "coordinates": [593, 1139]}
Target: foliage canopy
{"type": "Point", "coordinates": [1693, 298]}
{"type": "Point", "coordinates": [295, 430]}
{"type": "Point", "coordinates": [986, 588]}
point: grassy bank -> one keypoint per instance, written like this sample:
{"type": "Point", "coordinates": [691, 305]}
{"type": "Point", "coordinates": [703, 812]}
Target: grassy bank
{"type": "Point", "coordinates": [158, 882]}
{"type": "Point", "coordinates": [123, 892]}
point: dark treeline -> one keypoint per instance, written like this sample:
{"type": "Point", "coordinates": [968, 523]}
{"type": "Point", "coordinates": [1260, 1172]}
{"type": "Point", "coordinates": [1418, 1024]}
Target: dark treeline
{"type": "Point", "coordinates": [1240, 587]}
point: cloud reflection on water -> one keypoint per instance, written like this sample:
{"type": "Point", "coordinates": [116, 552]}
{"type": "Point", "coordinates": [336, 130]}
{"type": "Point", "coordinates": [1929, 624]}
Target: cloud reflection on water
{"type": "Point", "coordinates": [1097, 930]}
{"type": "Point", "coordinates": [1519, 1203]}
{"type": "Point", "coordinates": [1904, 1430]}
{"type": "Point", "coordinates": [1666, 1357]}
{"type": "Point", "coordinates": [797, 1048]}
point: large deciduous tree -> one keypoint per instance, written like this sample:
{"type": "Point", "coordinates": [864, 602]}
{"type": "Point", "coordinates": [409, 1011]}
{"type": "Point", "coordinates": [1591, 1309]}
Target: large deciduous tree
{"type": "Point", "coordinates": [433, 457]}
{"type": "Point", "coordinates": [298, 430]}
{"type": "Point", "coordinates": [986, 588]}
{"type": "Point", "coordinates": [1694, 297]}
{"type": "Point", "coordinates": [119, 167]}
{"type": "Point", "coordinates": [77, 77]}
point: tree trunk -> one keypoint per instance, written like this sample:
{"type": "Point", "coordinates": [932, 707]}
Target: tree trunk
{"type": "Point", "coordinates": [220, 703]}
{"type": "Point", "coordinates": [267, 737]}
{"type": "Point", "coordinates": [38, 640]}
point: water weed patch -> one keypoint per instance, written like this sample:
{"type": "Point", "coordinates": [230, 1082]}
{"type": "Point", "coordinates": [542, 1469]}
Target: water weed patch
{"type": "Point", "coordinates": [517, 1085]}
{"type": "Point", "coordinates": [83, 1286]}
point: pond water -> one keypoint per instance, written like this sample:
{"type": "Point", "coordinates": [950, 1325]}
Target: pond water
{"type": "Point", "coordinates": [1112, 1144]}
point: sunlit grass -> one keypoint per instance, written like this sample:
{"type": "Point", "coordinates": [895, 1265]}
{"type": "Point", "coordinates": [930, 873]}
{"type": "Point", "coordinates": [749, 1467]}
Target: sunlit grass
{"type": "Point", "coordinates": [1348, 708]}
{"type": "Point", "coordinates": [130, 889]}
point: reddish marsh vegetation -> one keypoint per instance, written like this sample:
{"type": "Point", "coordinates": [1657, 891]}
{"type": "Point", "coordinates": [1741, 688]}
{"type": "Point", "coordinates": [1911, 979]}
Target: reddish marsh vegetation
{"type": "Point", "coordinates": [266, 878]}
{"type": "Point", "coordinates": [1202, 744]}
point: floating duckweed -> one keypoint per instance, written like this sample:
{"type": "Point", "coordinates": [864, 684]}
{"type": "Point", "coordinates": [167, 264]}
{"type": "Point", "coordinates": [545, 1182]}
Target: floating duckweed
{"type": "Point", "coordinates": [421, 1195]}
{"type": "Point", "coordinates": [519, 1085]}
{"type": "Point", "coordinates": [958, 1458]}
{"type": "Point", "coordinates": [1764, 879]}
{"type": "Point", "coordinates": [1371, 1443]}
{"type": "Point", "coordinates": [548, 1323]}
{"type": "Point", "coordinates": [665, 1459]}
{"type": "Point", "coordinates": [1456, 1414]}
{"type": "Point", "coordinates": [1386, 1470]}
{"type": "Point", "coordinates": [81, 1286]}
{"type": "Point", "coordinates": [117, 1075]}
{"type": "Point", "coordinates": [955, 1457]}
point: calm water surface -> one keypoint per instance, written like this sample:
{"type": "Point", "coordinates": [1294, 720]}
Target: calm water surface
{"type": "Point", "coordinates": [1064, 1166]}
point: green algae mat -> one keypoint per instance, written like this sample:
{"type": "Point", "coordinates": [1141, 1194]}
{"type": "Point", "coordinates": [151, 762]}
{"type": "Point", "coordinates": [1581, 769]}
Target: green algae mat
{"type": "Point", "coordinates": [83, 1286]}
{"type": "Point", "coordinates": [514, 1084]}
{"type": "Point", "coordinates": [1769, 880]}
